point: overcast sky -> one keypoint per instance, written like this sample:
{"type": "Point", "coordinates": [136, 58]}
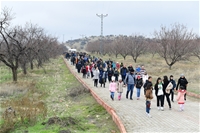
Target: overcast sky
{"type": "Point", "coordinates": [74, 19]}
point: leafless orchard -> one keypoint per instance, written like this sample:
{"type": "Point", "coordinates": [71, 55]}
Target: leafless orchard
{"type": "Point", "coordinates": [25, 46]}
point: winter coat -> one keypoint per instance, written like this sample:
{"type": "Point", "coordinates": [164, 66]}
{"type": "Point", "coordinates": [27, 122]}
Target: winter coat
{"type": "Point", "coordinates": [180, 96]}
{"type": "Point", "coordinates": [145, 78]}
{"type": "Point", "coordinates": [112, 87]}
{"type": "Point", "coordinates": [79, 65]}
{"type": "Point", "coordinates": [182, 82]}
{"type": "Point", "coordinates": [138, 83]}
{"type": "Point", "coordinates": [174, 83]}
{"type": "Point", "coordinates": [96, 74]}
{"type": "Point", "coordinates": [123, 71]}
{"type": "Point", "coordinates": [165, 86]}
{"type": "Point", "coordinates": [146, 83]}
{"type": "Point", "coordinates": [120, 87]}
{"type": "Point", "coordinates": [116, 73]}
{"type": "Point", "coordinates": [101, 81]}
{"type": "Point", "coordinates": [131, 79]}
{"type": "Point", "coordinates": [149, 95]}
{"type": "Point", "coordinates": [156, 89]}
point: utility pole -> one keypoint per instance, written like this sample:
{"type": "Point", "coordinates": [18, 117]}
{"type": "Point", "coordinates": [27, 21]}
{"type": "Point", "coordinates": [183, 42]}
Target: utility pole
{"type": "Point", "coordinates": [101, 16]}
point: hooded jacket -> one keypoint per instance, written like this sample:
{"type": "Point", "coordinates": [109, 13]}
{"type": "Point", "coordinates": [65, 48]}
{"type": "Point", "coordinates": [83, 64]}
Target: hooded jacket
{"type": "Point", "coordinates": [182, 82]}
{"type": "Point", "coordinates": [180, 96]}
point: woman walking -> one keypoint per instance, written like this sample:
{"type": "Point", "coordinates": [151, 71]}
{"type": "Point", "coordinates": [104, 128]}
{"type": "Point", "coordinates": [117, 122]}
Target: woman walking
{"type": "Point", "coordinates": [159, 94]}
{"type": "Point", "coordinates": [165, 84]}
{"type": "Point", "coordinates": [96, 76]}
{"type": "Point", "coordinates": [149, 97]}
{"type": "Point", "coordinates": [138, 85]}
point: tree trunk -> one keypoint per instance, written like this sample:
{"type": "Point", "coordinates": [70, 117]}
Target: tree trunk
{"type": "Point", "coordinates": [24, 70]}
{"type": "Point", "coordinates": [14, 73]}
{"type": "Point", "coordinates": [116, 55]}
{"type": "Point", "coordinates": [31, 65]}
{"type": "Point", "coordinates": [135, 60]}
{"type": "Point", "coordinates": [170, 67]}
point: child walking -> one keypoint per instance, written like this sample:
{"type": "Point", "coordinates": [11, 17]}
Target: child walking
{"type": "Point", "coordinates": [112, 87]}
{"type": "Point", "coordinates": [120, 86]}
{"type": "Point", "coordinates": [180, 97]}
{"type": "Point", "coordinates": [149, 97]}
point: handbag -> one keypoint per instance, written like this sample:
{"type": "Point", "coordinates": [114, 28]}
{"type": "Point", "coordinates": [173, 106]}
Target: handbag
{"type": "Point", "coordinates": [169, 87]}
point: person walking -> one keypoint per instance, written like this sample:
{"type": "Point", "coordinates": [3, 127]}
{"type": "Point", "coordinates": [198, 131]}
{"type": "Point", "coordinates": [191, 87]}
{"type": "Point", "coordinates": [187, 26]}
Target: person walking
{"type": "Point", "coordinates": [96, 76]}
{"type": "Point", "coordinates": [120, 86]}
{"type": "Point", "coordinates": [174, 87]}
{"type": "Point", "coordinates": [130, 81]}
{"type": "Point", "coordinates": [123, 72]}
{"type": "Point", "coordinates": [166, 94]}
{"type": "Point", "coordinates": [112, 88]}
{"type": "Point", "coordinates": [116, 74]}
{"type": "Point", "coordinates": [110, 73]}
{"type": "Point", "coordinates": [149, 81]}
{"type": "Point", "coordinates": [102, 77]}
{"type": "Point", "coordinates": [159, 92]}
{"type": "Point", "coordinates": [138, 85]}
{"type": "Point", "coordinates": [149, 97]}
{"type": "Point", "coordinates": [180, 97]}
{"type": "Point", "coordinates": [182, 81]}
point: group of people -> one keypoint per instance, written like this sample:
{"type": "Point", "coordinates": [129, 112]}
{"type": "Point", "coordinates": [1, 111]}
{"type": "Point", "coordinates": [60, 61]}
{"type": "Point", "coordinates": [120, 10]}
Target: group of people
{"type": "Point", "coordinates": [120, 77]}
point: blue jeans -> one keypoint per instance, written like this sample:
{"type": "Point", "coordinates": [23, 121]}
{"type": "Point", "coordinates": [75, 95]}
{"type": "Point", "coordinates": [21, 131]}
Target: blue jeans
{"type": "Point", "coordinates": [138, 92]}
{"type": "Point", "coordinates": [112, 94]}
{"type": "Point", "coordinates": [148, 104]}
{"type": "Point", "coordinates": [130, 88]}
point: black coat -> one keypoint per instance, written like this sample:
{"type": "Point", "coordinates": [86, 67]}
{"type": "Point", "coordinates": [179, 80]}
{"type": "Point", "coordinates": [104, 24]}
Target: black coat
{"type": "Point", "coordinates": [156, 89]}
{"type": "Point", "coordinates": [138, 83]}
{"type": "Point", "coordinates": [182, 82]}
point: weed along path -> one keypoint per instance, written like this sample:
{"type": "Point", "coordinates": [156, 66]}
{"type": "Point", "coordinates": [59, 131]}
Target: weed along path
{"type": "Point", "coordinates": [133, 115]}
{"type": "Point", "coordinates": [61, 103]}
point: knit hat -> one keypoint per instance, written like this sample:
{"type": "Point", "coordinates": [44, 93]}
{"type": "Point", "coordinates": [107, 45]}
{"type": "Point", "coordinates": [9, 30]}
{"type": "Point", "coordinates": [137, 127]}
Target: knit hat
{"type": "Point", "coordinates": [120, 77]}
{"type": "Point", "coordinates": [113, 78]}
{"type": "Point", "coordinates": [182, 75]}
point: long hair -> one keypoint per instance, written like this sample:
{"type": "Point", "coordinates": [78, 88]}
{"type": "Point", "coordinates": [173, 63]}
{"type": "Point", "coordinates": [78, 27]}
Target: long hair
{"type": "Point", "coordinates": [158, 80]}
{"type": "Point", "coordinates": [165, 79]}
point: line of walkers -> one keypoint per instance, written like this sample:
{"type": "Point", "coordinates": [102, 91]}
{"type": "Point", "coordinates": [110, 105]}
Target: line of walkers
{"type": "Point", "coordinates": [119, 77]}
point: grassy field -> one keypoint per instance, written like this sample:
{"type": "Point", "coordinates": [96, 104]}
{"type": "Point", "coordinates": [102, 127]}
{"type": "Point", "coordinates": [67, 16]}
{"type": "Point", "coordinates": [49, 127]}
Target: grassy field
{"type": "Point", "coordinates": [156, 67]}
{"type": "Point", "coordinates": [50, 103]}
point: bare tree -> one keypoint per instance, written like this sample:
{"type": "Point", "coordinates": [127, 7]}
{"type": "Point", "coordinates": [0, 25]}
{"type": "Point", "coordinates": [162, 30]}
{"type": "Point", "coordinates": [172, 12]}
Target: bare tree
{"type": "Point", "coordinates": [137, 46]}
{"type": "Point", "coordinates": [11, 48]}
{"type": "Point", "coordinates": [123, 46]}
{"type": "Point", "coordinates": [22, 45]}
{"type": "Point", "coordinates": [196, 48]}
{"type": "Point", "coordinates": [174, 44]}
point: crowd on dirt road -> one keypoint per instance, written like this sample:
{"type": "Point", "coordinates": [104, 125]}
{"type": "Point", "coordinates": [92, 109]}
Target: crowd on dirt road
{"type": "Point", "coordinates": [120, 77]}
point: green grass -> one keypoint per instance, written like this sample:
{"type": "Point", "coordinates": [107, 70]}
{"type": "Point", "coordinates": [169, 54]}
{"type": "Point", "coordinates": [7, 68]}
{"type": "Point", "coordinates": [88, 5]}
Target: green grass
{"type": "Point", "coordinates": [5, 74]}
{"type": "Point", "coordinates": [53, 88]}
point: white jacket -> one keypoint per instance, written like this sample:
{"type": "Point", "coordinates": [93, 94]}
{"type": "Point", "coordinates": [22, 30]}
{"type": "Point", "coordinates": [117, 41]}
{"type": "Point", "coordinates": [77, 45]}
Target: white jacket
{"type": "Point", "coordinates": [96, 74]}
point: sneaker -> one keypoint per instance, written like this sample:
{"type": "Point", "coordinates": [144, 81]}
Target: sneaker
{"type": "Point", "coordinates": [149, 115]}
{"type": "Point", "coordinates": [158, 108]}
{"type": "Point", "coordinates": [138, 98]}
{"type": "Point", "coordinates": [162, 108]}
{"type": "Point", "coordinates": [131, 98]}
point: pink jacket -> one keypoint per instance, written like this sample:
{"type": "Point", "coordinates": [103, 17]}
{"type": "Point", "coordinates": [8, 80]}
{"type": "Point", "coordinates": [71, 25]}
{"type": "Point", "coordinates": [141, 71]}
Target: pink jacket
{"type": "Point", "coordinates": [180, 96]}
{"type": "Point", "coordinates": [112, 87]}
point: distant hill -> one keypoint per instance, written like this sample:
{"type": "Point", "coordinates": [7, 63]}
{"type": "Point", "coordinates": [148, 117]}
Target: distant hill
{"type": "Point", "coordinates": [80, 43]}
